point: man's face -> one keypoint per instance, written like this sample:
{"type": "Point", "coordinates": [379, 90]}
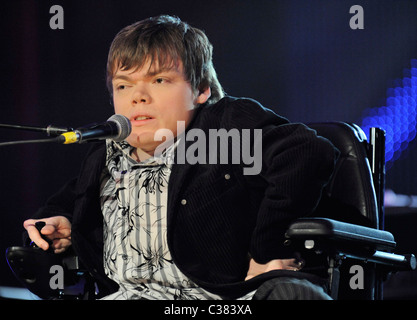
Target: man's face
{"type": "Point", "coordinates": [154, 98]}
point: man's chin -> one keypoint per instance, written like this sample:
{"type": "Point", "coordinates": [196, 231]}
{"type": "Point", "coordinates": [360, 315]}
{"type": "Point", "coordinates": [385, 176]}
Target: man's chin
{"type": "Point", "coordinates": [143, 143]}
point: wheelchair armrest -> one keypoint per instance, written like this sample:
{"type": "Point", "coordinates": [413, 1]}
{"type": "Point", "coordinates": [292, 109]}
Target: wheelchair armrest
{"type": "Point", "coordinates": [32, 267]}
{"type": "Point", "coordinates": [341, 232]}
{"type": "Point", "coordinates": [349, 240]}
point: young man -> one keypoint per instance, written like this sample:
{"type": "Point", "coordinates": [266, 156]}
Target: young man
{"type": "Point", "coordinates": [149, 228]}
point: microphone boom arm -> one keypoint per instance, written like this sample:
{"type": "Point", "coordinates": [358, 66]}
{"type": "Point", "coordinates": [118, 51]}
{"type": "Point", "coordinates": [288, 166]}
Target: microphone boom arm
{"type": "Point", "coordinates": [50, 130]}
{"type": "Point", "coordinates": [58, 139]}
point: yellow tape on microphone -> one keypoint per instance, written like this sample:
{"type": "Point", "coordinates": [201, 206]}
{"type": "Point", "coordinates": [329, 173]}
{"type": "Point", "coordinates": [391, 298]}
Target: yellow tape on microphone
{"type": "Point", "coordinates": [70, 137]}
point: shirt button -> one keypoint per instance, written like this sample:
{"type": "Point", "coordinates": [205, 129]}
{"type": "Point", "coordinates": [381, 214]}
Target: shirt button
{"type": "Point", "coordinates": [227, 176]}
{"type": "Point", "coordinates": [183, 202]}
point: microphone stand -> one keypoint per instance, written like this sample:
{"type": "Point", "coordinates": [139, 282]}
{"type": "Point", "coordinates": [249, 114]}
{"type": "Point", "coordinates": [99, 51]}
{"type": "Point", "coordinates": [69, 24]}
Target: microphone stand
{"type": "Point", "coordinates": [50, 130]}
{"type": "Point", "coordinates": [54, 139]}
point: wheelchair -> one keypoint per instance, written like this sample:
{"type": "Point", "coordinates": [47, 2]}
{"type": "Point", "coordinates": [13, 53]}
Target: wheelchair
{"type": "Point", "coordinates": [343, 241]}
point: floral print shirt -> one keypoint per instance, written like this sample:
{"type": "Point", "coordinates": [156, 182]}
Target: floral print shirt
{"type": "Point", "coordinates": [134, 205]}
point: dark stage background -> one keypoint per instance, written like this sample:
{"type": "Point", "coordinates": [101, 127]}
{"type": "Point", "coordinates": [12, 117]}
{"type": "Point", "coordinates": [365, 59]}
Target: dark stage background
{"type": "Point", "coordinates": [300, 58]}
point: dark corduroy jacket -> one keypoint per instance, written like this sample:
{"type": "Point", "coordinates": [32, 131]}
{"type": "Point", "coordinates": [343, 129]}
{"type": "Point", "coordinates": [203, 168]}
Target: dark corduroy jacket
{"type": "Point", "coordinates": [218, 217]}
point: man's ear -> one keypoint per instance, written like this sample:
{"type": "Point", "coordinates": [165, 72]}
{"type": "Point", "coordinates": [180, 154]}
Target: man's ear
{"type": "Point", "coordinates": [203, 96]}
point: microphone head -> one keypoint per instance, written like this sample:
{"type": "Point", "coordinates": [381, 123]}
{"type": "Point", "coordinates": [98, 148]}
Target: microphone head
{"type": "Point", "coordinates": [124, 126]}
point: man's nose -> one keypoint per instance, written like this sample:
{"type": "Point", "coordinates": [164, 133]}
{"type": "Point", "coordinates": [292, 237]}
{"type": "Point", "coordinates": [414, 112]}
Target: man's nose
{"type": "Point", "coordinates": [141, 95]}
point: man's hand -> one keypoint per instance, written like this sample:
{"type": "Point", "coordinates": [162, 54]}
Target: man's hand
{"type": "Point", "coordinates": [57, 229]}
{"type": "Point", "coordinates": [256, 269]}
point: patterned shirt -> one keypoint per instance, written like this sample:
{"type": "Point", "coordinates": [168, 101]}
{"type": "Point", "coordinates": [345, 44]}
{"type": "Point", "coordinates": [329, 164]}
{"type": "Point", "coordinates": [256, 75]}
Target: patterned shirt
{"type": "Point", "coordinates": [134, 205]}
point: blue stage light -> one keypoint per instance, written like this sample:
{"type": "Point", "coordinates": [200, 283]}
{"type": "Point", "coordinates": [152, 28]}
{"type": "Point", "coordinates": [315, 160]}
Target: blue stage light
{"type": "Point", "coordinates": [397, 117]}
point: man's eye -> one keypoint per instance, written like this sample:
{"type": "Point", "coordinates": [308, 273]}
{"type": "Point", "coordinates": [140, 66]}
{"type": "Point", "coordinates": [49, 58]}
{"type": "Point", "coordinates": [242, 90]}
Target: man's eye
{"type": "Point", "coordinates": [121, 87]}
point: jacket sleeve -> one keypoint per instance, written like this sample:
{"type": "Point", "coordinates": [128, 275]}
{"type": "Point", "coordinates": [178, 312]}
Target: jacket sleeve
{"type": "Point", "coordinates": [296, 165]}
{"type": "Point", "coordinates": [62, 203]}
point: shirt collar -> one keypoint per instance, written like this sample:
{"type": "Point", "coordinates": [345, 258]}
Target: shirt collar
{"type": "Point", "coordinates": [124, 149]}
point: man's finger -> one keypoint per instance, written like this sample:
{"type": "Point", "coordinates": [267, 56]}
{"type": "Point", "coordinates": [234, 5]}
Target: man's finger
{"type": "Point", "coordinates": [60, 245]}
{"type": "Point", "coordinates": [36, 237]}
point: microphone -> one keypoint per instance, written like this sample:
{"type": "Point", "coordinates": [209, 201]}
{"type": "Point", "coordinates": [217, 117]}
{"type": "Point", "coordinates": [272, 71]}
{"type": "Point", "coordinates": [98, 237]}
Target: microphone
{"type": "Point", "coordinates": [117, 127]}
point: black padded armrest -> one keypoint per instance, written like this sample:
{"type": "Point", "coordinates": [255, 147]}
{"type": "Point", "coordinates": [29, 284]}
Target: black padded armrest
{"type": "Point", "coordinates": [310, 228]}
{"type": "Point", "coordinates": [32, 266]}
{"type": "Point", "coordinates": [351, 240]}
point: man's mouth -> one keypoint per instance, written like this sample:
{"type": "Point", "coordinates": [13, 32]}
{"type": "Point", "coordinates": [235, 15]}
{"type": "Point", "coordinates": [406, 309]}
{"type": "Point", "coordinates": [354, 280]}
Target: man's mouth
{"type": "Point", "coordinates": [141, 120]}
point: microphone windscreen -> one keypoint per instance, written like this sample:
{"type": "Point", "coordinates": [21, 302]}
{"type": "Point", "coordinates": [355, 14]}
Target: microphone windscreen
{"type": "Point", "coordinates": [124, 126]}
